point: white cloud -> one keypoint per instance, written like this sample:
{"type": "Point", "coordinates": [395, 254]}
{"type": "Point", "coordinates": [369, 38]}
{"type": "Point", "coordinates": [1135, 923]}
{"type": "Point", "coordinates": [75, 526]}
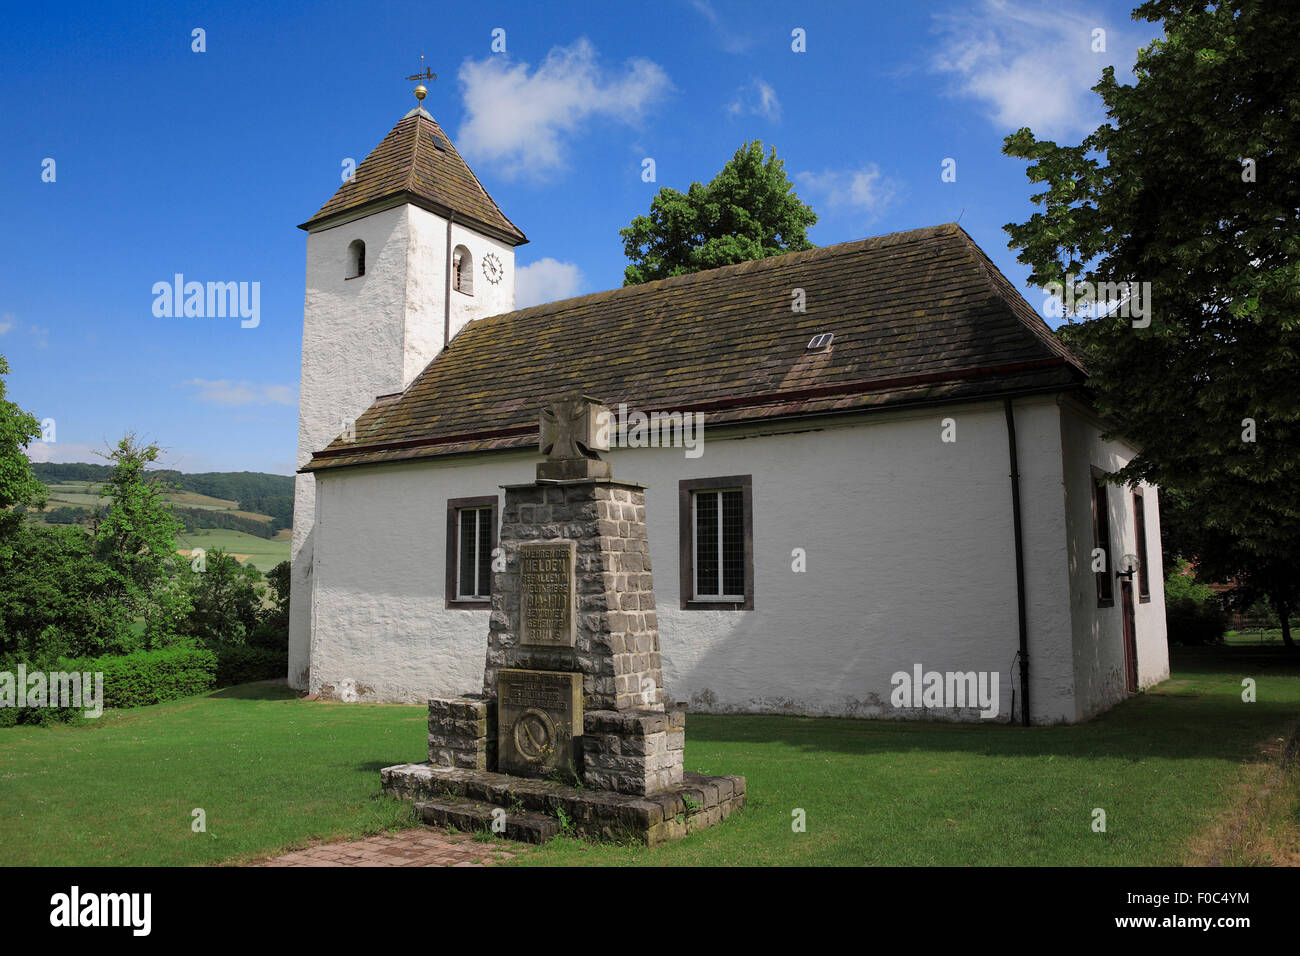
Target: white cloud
{"type": "Point", "coordinates": [1031, 65]}
{"type": "Point", "coordinates": [62, 452]}
{"type": "Point", "coordinates": [517, 119]}
{"type": "Point", "coordinates": [757, 98]}
{"type": "Point", "coordinates": [230, 394]}
{"type": "Point", "coordinates": [546, 280]}
{"type": "Point", "coordinates": [732, 41]}
{"type": "Point", "coordinates": [860, 192]}
{"type": "Point", "coordinates": [40, 336]}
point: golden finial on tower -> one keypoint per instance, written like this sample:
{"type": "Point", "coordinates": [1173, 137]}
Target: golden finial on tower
{"type": "Point", "coordinates": [421, 91]}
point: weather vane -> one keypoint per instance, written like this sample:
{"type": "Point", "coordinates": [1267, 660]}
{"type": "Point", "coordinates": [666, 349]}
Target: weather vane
{"type": "Point", "coordinates": [422, 91]}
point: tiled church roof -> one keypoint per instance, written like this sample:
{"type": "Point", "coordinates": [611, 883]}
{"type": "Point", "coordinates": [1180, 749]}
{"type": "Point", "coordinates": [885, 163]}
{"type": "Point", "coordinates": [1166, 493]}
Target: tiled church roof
{"type": "Point", "coordinates": [417, 163]}
{"type": "Point", "coordinates": [918, 317]}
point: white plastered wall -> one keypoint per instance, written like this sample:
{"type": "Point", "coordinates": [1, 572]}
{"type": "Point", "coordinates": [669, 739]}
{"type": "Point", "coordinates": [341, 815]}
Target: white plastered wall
{"type": "Point", "coordinates": [909, 560]}
{"type": "Point", "coordinates": [1099, 631]}
{"type": "Point", "coordinates": [368, 336]}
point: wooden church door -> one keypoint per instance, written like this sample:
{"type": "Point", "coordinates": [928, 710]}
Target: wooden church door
{"type": "Point", "coordinates": [1130, 638]}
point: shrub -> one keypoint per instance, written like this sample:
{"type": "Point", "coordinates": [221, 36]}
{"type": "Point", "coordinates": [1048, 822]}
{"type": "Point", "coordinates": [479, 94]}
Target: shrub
{"type": "Point", "coordinates": [225, 599]}
{"type": "Point", "coordinates": [1192, 623]}
{"type": "Point", "coordinates": [130, 680]}
{"type": "Point", "coordinates": [36, 716]}
{"type": "Point", "coordinates": [1180, 583]}
{"type": "Point", "coordinates": [1193, 613]}
{"type": "Point", "coordinates": [150, 677]}
{"type": "Point", "coordinates": [272, 629]}
{"type": "Point", "coordinates": [240, 665]}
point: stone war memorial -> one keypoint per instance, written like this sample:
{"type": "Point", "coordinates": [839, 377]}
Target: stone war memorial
{"type": "Point", "coordinates": [572, 729]}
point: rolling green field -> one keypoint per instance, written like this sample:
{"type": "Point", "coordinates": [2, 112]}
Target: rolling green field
{"type": "Point", "coordinates": [1174, 769]}
{"type": "Point", "coordinates": [262, 553]}
{"type": "Point", "coordinates": [85, 494]}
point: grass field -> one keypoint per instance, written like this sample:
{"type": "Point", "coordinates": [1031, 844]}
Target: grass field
{"type": "Point", "coordinates": [86, 494]}
{"type": "Point", "coordinates": [1257, 637]}
{"type": "Point", "coordinates": [262, 553]}
{"type": "Point", "coordinates": [1178, 771]}
{"type": "Point", "coordinates": [269, 772]}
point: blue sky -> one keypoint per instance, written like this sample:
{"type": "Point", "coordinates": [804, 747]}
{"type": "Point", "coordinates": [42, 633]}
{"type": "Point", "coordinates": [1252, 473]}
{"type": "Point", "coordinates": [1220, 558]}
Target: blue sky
{"type": "Point", "coordinates": [172, 161]}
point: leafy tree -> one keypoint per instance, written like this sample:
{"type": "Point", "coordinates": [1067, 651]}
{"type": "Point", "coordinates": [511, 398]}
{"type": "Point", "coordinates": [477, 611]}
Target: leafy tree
{"type": "Point", "coordinates": [273, 628]}
{"type": "Point", "coordinates": [1264, 585]}
{"type": "Point", "coordinates": [1193, 186]}
{"type": "Point", "coordinates": [226, 600]}
{"type": "Point", "coordinates": [749, 211]}
{"type": "Point", "coordinates": [57, 599]}
{"type": "Point", "coordinates": [18, 429]}
{"type": "Point", "coordinates": [137, 539]}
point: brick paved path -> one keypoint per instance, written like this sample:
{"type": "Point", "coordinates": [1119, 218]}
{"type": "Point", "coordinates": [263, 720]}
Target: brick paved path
{"type": "Point", "coordinates": [421, 846]}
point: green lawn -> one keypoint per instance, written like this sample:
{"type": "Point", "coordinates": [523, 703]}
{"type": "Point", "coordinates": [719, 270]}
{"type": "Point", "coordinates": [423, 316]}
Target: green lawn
{"type": "Point", "coordinates": [1161, 765]}
{"type": "Point", "coordinates": [1256, 637]}
{"type": "Point", "coordinates": [270, 771]}
{"type": "Point", "coordinates": [274, 773]}
{"type": "Point", "coordinates": [264, 553]}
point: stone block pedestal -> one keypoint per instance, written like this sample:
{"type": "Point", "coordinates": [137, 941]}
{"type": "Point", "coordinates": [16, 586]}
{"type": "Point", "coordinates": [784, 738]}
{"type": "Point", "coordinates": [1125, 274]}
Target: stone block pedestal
{"type": "Point", "coordinates": [462, 733]}
{"type": "Point", "coordinates": [633, 751]}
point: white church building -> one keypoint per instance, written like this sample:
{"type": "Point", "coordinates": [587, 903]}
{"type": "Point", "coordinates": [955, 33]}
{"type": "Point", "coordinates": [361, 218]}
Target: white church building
{"type": "Point", "coordinates": [900, 474]}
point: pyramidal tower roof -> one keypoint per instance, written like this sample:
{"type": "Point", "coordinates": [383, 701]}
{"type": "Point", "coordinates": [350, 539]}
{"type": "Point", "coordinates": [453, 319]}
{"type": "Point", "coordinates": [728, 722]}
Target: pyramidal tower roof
{"type": "Point", "coordinates": [417, 163]}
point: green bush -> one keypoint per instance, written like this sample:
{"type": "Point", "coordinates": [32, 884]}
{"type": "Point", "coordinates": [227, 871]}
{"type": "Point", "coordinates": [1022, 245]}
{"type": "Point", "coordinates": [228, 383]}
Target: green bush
{"type": "Point", "coordinates": [36, 716]}
{"type": "Point", "coordinates": [1181, 583]}
{"type": "Point", "coordinates": [149, 677]}
{"type": "Point", "coordinates": [1192, 623]}
{"type": "Point", "coordinates": [1193, 613]}
{"type": "Point", "coordinates": [242, 665]}
{"type": "Point", "coordinates": [225, 600]}
{"type": "Point", "coordinates": [130, 680]}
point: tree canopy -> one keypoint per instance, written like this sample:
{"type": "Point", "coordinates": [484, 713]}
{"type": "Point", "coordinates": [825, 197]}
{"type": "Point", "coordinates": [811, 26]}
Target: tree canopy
{"type": "Point", "coordinates": [137, 539]}
{"type": "Point", "coordinates": [748, 211]}
{"type": "Point", "coordinates": [1192, 185]}
{"type": "Point", "coordinates": [18, 429]}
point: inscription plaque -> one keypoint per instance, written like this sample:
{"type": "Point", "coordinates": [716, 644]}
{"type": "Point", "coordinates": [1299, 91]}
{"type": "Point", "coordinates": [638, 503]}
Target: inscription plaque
{"type": "Point", "coordinates": [539, 717]}
{"type": "Point", "coordinates": [546, 603]}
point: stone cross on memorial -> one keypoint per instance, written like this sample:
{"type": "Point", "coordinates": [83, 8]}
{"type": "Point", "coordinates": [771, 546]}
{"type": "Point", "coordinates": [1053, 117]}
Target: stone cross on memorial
{"type": "Point", "coordinates": [571, 431]}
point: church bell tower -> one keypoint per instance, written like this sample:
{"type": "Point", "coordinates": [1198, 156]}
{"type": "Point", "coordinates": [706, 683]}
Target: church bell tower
{"type": "Point", "coordinates": [408, 251]}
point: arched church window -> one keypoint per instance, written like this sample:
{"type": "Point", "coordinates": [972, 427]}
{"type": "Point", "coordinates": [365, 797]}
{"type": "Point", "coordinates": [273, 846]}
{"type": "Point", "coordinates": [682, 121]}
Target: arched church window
{"type": "Point", "coordinates": [462, 271]}
{"type": "Point", "coordinates": [356, 259]}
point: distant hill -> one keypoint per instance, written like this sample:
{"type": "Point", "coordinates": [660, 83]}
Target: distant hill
{"type": "Point", "coordinates": [249, 501]}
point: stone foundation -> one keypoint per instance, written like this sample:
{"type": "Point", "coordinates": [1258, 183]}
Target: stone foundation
{"type": "Point", "coordinates": [697, 803]}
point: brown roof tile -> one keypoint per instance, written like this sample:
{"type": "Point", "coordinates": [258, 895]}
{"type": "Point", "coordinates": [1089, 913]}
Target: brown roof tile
{"type": "Point", "coordinates": [416, 162]}
{"type": "Point", "coordinates": [918, 317]}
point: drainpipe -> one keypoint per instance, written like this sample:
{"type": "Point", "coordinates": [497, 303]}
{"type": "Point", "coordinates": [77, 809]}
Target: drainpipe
{"type": "Point", "coordinates": [1020, 562]}
{"type": "Point", "coordinates": [446, 302]}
